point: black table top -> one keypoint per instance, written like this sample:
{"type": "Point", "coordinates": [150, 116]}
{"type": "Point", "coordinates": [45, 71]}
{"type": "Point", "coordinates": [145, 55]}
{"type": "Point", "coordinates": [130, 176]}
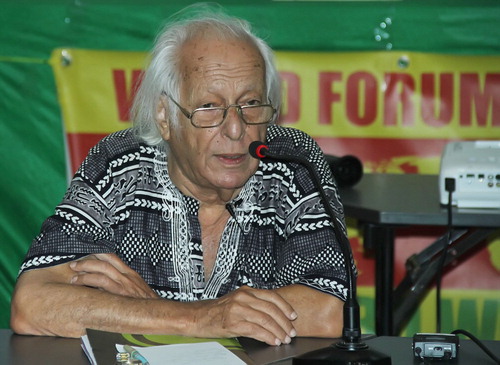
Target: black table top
{"type": "Point", "coordinates": [408, 199]}
{"type": "Point", "coordinates": [22, 350]}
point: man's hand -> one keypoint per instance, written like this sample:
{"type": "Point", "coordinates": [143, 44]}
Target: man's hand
{"type": "Point", "coordinates": [107, 272]}
{"type": "Point", "coordinates": [260, 314]}
{"type": "Point", "coordinates": [257, 313]}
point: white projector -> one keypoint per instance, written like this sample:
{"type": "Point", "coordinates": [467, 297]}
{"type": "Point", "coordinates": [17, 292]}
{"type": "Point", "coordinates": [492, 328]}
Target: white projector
{"type": "Point", "coordinates": [475, 167]}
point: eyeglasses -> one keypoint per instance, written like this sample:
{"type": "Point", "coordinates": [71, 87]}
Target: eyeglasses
{"type": "Point", "coordinates": [215, 116]}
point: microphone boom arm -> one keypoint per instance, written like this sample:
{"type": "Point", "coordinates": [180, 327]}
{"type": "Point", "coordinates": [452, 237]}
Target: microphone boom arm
{"type": "Point", "coordinates": [352, 334]}
{"type": "Point", "coordinates": [350, 350]}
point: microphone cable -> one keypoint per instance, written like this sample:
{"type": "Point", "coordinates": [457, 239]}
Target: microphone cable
{"type": "Point", "coordinates": [479, 343]}
{"type": "Point", "coordinates": [450, 188]}
{"type": "Point", "coordinates": [449, 184]}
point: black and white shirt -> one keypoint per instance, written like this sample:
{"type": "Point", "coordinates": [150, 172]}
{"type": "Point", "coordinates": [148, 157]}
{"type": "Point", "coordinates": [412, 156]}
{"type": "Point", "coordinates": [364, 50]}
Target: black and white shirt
{"type": "Point", "coordinates": [121, 200]}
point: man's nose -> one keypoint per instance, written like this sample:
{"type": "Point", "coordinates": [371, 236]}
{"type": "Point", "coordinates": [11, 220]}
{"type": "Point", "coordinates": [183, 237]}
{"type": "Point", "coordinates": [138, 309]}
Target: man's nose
{"type": "Point", "coordinates": [234, 126]}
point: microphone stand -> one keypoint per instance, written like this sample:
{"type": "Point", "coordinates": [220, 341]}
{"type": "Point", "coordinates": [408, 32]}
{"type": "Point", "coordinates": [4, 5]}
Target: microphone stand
{"type": "Point", "coordinates": [351, 350]}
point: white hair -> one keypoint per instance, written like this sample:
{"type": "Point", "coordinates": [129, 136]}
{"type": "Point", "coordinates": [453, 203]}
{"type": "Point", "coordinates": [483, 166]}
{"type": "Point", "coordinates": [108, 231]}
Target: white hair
{"type": "Point", "coordinates": [163, 73]}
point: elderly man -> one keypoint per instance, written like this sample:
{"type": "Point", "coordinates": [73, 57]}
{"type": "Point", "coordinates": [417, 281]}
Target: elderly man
{"type": "Point", "coordinates": [172, 227]}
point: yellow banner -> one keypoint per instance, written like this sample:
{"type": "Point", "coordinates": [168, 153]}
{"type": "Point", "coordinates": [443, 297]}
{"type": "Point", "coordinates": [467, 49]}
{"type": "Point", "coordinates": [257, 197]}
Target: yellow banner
{"type": "Point", "coordinates": [391, 94]}
{"type": "Point", "coordinates": [95, 88]}
{"type": "Point", "coordinates": [364, 94]}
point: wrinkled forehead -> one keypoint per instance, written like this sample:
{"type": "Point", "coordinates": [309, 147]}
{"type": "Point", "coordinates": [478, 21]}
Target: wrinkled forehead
{"type": "Point", "coordinates": [207, 54]}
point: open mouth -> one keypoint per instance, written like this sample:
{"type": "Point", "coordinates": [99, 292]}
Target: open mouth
{"type": "Point", "coordinates": [232, 158]}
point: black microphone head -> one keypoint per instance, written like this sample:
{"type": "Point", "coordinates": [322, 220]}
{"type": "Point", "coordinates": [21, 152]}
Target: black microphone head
{"type": "Point", "coordinates": [258, 149]}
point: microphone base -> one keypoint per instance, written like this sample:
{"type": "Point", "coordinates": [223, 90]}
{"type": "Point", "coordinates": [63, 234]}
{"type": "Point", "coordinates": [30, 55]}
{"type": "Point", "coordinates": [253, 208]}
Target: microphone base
{"type": "Point", "coordinates": [343, 354]}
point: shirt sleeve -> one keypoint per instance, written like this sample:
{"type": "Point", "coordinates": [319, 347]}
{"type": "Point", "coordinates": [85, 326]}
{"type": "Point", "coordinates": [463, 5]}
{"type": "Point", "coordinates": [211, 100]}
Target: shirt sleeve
{"type": "Point", "coordinates": [81, 223]}
{"type": "Point", "coordinates": [312, 254]}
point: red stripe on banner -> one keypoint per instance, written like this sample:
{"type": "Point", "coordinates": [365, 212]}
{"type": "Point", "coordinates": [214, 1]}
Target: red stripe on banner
{"type": "Point", "coordinates": [383, 148]}
{"type": "Point", "coordinates": [382, 154]}
{"type": "Point", "coordinates": [79, 145]}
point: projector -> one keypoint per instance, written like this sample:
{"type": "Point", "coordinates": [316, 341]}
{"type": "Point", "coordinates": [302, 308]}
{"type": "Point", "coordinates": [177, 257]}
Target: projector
{"type": "Point", "coordinates": [475, 167]}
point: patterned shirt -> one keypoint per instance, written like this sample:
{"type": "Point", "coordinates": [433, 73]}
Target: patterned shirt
{"type": "Point", "coordinates": [122, 201]}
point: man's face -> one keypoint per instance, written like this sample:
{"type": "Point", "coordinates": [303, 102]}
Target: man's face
{"type": "Point", "coordinates": [215, 74]}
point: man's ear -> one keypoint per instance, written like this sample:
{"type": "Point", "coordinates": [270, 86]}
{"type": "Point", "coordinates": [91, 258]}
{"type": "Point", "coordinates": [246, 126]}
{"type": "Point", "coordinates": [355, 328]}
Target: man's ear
{"type": "Point", "coordinates": [162, 119]}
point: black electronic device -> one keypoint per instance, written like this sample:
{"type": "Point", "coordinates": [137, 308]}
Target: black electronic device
{"type": "Point", "coordinates": [347, 170]}
{"type": "Point", "coordinates": [351, 350]}
{"type": "Point", "coordinates": [435, 346]}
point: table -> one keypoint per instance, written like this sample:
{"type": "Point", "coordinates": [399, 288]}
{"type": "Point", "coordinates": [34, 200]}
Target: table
{"type": "Point", "coordinates": [23, 350]}
{"type": "Point", "coordinates": [383, 202]}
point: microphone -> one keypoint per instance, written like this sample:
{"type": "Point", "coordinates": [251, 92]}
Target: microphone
{"type": "Point", "coordinates": [351, 350]}
{"type": "Point", "coordinates": [257, 149]}
{"type": "Point", "coordinates": [347, 170]}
